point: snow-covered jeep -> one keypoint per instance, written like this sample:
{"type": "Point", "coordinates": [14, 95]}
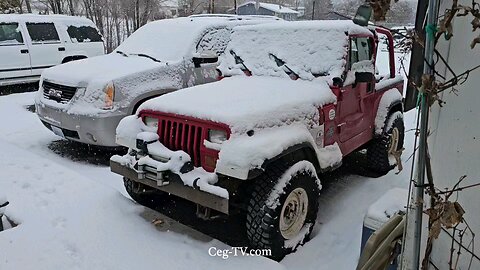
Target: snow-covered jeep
{"type": "Point", "coordinates": [296, 98]}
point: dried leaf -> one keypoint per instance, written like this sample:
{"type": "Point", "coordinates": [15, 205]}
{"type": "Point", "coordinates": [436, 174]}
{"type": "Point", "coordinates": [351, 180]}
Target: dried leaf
{"type": "Point", "coordinates": [157, 221]}
{"type": "Point", "coordinates": [452, 214]}
{"type": "Point", "coordinates": [435, 229]}
{"type": "Point", "coordinates": [475, 41]}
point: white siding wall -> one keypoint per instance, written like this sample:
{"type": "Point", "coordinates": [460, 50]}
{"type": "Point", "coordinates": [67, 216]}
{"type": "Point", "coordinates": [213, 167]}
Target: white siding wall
{"type": "Point", "coordinates": [455, 140]}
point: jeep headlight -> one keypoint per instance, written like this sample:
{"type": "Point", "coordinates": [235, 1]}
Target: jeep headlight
{"type": "Point", "coordinates": [109, 96]}
{"type": "Point", "coordinates": [217, 136]}
{"type": "Point", "coordinates": [151, 121]}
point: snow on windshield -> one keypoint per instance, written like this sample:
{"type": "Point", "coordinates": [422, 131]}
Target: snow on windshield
{"type": "Point", "coordinates": [307, 49]}
{"type": "Point", "coordinates": [167, 40]}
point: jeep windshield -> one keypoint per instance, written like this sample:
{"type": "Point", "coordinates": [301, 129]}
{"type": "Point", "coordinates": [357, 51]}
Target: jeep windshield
{"type": "Point", "coordinates": [165, 40]}
{"type": "Point", "coordinates": [299, 50]}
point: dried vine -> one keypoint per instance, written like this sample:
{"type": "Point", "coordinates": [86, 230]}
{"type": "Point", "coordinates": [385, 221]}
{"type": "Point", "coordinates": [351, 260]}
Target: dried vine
{"type": "Point", "coordinates": [444, 212]}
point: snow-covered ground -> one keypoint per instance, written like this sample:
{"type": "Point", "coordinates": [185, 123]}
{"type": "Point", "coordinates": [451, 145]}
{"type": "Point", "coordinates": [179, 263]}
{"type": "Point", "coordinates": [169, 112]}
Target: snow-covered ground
{"type": "Point", "coordinates": [72, 214]}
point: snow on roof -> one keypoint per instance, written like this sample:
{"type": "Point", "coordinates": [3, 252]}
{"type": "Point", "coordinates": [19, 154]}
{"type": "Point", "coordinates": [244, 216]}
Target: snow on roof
{"type": "Point", "coordinates": [43, 18]}
{"type": "Point", "coordinates": [172, 39]}
{"type": "Point", "coordinates": [309, 48]}
{"type": "Point", "coordinates": [169, 3]}
{"type": "Point", "coordinates": [240, 101]}
{"type": "Point", "coordinates": [272, 7]}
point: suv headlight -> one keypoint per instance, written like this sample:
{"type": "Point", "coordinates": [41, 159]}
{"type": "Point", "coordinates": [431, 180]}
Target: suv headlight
{"type": "Point", "coordinates": [151, 121]}
{"type": "Point", "coordinates": [109, 96]}
{"type": "Point", "coordinates": [217, 136]}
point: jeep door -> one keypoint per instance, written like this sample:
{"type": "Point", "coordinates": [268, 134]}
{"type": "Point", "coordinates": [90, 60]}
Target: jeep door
{"type": "Point", "coordinates": [353, 112]}
{"type": "Point", "coordinates": [46, 48]}
{"type": "Point", "coordinates": [214, 41]}
{"type": "Point", "coordinates": [15, 62]}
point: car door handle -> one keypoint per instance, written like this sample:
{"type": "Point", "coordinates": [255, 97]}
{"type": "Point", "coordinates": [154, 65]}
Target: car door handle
{"type": "Point", "coordinates": [24, 51]}
{"type": "Point", "coordinates": [61, 49]}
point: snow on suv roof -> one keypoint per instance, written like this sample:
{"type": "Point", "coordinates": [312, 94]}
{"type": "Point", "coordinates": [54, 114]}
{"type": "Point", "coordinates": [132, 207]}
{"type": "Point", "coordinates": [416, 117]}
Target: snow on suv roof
{"type": "Point", "coordinates": [310, 48]}
{"type": "Point", "coordinates": [172, 39]}
{"type": "Point", "coordinates": [5, 18]}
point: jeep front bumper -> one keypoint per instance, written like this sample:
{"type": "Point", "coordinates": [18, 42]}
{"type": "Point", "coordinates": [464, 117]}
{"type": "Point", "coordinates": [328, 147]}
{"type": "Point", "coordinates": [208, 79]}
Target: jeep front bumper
{"type": "Point", "coordinates": [171, 183]}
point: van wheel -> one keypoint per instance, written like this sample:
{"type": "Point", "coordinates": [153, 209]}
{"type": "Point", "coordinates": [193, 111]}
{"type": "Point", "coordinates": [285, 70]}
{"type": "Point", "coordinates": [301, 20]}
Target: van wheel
{"type": "Point", "coordinates": [140, 193]}
{"type": "Point", "coordinates": [282, 209]}
{"type": "Point", "coordinates": [379, 152]}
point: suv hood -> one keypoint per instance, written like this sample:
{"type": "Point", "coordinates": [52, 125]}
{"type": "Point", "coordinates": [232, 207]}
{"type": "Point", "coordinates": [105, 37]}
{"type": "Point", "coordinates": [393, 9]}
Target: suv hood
{"type": "Point", "coordinates": [246, 103]}
{"type": "Point", "coordinates": [100, 69]}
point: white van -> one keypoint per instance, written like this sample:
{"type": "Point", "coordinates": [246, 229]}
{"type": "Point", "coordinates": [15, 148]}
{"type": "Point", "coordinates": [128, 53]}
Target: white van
{"type": "Point", "coordinates": [31, 43]}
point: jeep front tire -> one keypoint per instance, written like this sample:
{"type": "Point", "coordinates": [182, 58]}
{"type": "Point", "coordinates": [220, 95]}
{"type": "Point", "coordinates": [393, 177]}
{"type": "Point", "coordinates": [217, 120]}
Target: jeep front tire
{"type": "Point", "coordinates": [282, 208]}
{"type": "Point", "coordinates": [140, 193]}
{"type": "Point", "coordinates": [379, 152]}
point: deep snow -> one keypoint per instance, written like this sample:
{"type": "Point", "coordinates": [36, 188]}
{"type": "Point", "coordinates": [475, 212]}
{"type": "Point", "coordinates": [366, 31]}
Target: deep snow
{"type": "Point", "coordinates": [72, 215]}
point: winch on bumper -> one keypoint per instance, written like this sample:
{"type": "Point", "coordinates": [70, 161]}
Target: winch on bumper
{"type": "Point", "coordinates": [154, 165]}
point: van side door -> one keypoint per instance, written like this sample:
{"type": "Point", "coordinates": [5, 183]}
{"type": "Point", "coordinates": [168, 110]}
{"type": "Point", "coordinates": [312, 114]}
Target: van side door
{"type": "Point", "coordinates": [15, 62]}
{"type": "Point", "coordinates": [46, 48]}
{"type": "Point", "coordinates": [82, 40]}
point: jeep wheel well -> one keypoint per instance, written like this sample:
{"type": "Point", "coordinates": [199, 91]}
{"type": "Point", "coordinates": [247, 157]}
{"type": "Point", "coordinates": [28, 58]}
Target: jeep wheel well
{"type": "Point", "coordinates": [73, 58]}
{"type": "Point", "coordinates": [396, 107]}
{"type": "Point", "coordinates": [140, 103]}
{"type": "Point", "coordinates": [289, 157]}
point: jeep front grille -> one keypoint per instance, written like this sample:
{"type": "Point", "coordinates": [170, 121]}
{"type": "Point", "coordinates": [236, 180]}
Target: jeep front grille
{"type": "Point", "coordinates": [179, 134]}
{"type": "Point", "coordinates": [57, 92]}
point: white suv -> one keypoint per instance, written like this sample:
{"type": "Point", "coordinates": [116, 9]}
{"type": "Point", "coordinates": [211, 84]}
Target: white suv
{"type": "Point", "coordinates": [31, 43]}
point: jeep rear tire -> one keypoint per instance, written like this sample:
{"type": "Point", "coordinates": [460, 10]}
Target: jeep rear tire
{"type": "Point", "coordinates": [140, 193]}
{"type": "Point", "coordinates": [282, 209]}
{"type": "Point", "coordinates": [379, 151]}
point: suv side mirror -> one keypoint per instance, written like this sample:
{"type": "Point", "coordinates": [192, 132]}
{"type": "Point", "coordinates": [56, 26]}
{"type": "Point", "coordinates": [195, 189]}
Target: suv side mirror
{"type": "Point", "coordinates": [207, 57]}
{"type": "Point", "coordinates": [364, 77]}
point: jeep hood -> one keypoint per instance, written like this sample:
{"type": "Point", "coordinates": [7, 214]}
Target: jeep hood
{"type": "Point", "coordinates": [98, 70]}
{"type": "Point", "coordinates": [246, 103]}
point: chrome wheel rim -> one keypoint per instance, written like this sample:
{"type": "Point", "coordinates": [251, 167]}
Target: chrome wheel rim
{"type": "Point", "coordinates": [294, 213]}
{"type": "Point", "coordinates": [394, 139]}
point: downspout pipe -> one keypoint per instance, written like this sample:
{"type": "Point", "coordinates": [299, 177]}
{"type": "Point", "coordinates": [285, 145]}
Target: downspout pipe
{"type": "Point", "coordinates": [422, 147]}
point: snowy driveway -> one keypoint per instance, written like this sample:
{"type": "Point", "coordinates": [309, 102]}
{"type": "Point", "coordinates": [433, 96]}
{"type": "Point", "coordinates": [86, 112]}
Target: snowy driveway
{"type": "Point", "coordinates": [72, 213]}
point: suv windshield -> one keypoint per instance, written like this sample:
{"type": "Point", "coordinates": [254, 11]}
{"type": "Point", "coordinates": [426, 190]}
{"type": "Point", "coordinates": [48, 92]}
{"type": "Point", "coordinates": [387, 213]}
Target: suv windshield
{"type": "Point", "coordinates": [165, 40]}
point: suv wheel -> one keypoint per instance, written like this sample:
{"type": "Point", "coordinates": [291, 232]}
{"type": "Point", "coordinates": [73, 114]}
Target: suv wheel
{"type": "Point", "coordinates": [282, 209]}
{"type": "Point", "coordinates": [379, 152]}
{"type": "Point", "coordinates": [140, 193]}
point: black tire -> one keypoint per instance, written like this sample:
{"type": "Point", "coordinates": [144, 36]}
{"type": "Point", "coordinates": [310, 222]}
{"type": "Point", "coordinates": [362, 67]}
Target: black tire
{"type": "Point", "coordinates": [140, 193]}
{"type": "Point", "coordinates": [377, 151]}
{"type": "Point", "coordinates": [263, 218]}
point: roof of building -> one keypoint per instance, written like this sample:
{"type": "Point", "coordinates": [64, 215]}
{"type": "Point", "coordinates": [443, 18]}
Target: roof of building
{"type": "Point", "coordinates": [272, 7]}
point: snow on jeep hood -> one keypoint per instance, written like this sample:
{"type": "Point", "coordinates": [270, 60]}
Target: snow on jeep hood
{"type": "Point", "coordinates": [310, 48]}
{"type": "Point", "coordinates": [246, 103]}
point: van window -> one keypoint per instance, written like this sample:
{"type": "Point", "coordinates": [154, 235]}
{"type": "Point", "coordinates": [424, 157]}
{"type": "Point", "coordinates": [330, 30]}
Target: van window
{"type": "Point", "coordinates": [215, 40]}
{"type": "Point", "coordinates": [10, 34]}
{"type": "Point", "coordinates": [42, 32]}
{"type": "Point", "coordinates": [83, 34]}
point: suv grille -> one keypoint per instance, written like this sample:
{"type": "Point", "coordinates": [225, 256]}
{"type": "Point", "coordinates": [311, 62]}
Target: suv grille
{"type": "Point", "coordinates": [57, 92]}
{"type": "Point", "coordinates": [179, 134]}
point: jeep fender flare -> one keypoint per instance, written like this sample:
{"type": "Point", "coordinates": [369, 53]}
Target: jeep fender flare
{"type": "Point", "coordinates": [291, 155]}
{"type": "Point", "coordinates": [245, 157]}
{"type": "Point", "coordinates": [391, 101]}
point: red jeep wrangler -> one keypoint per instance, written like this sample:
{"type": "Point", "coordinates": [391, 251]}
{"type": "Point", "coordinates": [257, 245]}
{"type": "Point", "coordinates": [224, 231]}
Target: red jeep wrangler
{"type": "Point", "coordinates": [296, 98]}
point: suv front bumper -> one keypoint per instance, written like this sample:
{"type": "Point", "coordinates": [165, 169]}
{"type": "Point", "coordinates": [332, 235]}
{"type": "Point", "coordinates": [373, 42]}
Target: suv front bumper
{"type": "Point", "coordinates": [171, 183]}
{"type": "Point", "coordinates": [95, 130]}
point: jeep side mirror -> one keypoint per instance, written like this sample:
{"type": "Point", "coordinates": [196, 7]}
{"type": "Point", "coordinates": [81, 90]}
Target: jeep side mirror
{"type": "Point", "coordinates": [337, 82]}
{"type": "Point", "coordinates": [207, 57]}
{"type": "Point", "coordinates": [364, 77]}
